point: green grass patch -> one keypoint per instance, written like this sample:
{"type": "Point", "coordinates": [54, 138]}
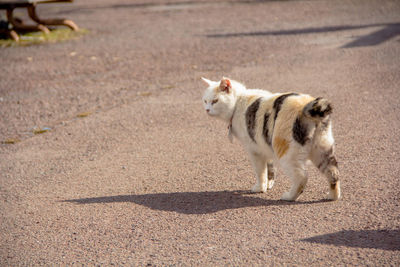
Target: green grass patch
{"type": "Point", "coordinates": [33, 38]}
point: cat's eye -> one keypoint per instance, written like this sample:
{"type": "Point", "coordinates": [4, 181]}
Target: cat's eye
{"type": "Point", "coordinates": [214, 101]}
{"type": "Point", "coordinates": [205, 101]}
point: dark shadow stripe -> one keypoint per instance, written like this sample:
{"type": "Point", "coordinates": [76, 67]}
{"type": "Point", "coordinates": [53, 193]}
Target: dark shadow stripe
{"type": "Point", "coordinates": [192, 202]}
{"type": "Point", "coordinates": [377, 37]}
{"type": "Point", "coordinates": [300, 131]}
{"type": "Point", "coordinates": [389, 31]}
{"type": "Point", "coordinates": [382, 239]}
{"type": "Point", "coordinates": [251, 117]}
{"type": "Point", "coordinates": [265, 129]}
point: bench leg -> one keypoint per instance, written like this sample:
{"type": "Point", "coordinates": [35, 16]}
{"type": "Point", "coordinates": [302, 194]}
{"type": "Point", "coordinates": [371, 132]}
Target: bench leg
{"type": "Point", "coordinates": [19, 25]}
{"type": "Point", "coordinates": [14, 35]}
{"type": "Point", "coordinates": [65, 22]}
{"type": "Point", "coordinates": [11, 33]}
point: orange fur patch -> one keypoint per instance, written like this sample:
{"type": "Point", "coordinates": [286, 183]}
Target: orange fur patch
{"type": "Point", "coordinates": [280, 146]}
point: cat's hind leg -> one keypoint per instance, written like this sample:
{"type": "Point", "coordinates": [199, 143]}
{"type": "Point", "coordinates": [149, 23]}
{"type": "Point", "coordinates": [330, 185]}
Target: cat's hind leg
{"type": "Point", "coordinates": [325, 161]}
{"type": "Point", "coordinates": [323, 157]}
{"type": "Point", "coordinates": [297, 173]}
{"type": "Point", "coordinates": [260, 165]}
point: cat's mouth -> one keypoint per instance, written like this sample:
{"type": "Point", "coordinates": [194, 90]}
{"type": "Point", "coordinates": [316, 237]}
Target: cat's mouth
{"type": "Point", "coordinates": [209, 113]}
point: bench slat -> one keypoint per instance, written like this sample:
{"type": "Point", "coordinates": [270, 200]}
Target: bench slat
{"type": "Point", "coordinates": [6, 4]}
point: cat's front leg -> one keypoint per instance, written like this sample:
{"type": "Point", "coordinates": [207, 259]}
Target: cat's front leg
{"type": "Point", "coordinates": [271, 175]}
{"type": "Point", "coordinates": [259, 164]}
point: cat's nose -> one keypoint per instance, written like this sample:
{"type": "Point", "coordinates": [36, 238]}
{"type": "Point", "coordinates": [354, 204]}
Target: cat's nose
{"type": "Point", "coordinates": [207, 110]}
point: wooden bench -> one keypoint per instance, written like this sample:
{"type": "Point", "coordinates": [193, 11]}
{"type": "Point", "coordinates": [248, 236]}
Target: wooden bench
{"type": "Point", "coordinates": [30, 5]}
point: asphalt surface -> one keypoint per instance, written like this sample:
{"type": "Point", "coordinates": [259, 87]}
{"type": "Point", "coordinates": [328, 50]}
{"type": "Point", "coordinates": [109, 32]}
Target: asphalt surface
{"type": "Point", "coordinates": [133, 172]}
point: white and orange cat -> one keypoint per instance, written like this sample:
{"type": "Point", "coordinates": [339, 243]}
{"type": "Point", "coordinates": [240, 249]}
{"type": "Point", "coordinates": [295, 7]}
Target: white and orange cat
{"type": "Point", "coordinates": [284, 128]}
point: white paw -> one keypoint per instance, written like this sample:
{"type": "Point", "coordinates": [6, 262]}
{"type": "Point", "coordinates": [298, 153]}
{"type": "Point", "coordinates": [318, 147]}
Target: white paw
{"type": "Point", "coordinates": [287, 196]}
{"type": "Point", "coordinates": [270, 184]}
{"type": "Point", "coordinates": [259, 188]}
{"type": "Point", "coordinates": [334, 194]}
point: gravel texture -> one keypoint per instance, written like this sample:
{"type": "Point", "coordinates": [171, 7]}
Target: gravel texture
{"type": "Point", "coordinates": [132, 171]}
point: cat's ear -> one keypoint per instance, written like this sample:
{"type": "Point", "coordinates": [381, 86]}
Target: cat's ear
{"type": "Point", "coordinates": [210, 83]}
{"type": "Point", "coordinates": [225, 85]}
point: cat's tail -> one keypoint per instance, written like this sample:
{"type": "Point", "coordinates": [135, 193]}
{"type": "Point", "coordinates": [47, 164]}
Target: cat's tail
{"type": "Point", "coordinates": [318, 109]}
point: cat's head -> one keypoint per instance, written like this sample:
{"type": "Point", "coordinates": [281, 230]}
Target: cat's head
{"type": "Point", "coordinates": [219, 98]}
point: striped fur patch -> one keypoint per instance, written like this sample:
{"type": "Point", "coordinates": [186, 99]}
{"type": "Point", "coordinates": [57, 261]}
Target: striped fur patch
{"type": "Point", "coordinates": [271, 171]}
{"type": "Point", "coordinates": [265, 129]}
{"type": "Point", "coordinates": [251, 117]}
{"type": "Point", "coordinates": [320, 108]}
{"type": "Point", "coordinates": [327, 159]}
{"type": "Point", "coordinates": [279, 101]}
{"type": "Point", "coordinates": [300, 132]}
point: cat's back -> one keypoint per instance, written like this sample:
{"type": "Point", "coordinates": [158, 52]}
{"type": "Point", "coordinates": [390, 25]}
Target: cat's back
{"type": "Point", "coordinates": [258, 92]}
{"type": "Point", "coordinates": [263, 114]}
{"type": "Point", "coordinates": [249, 96]}
{"type": "Point", "coordinates": [285, 102]}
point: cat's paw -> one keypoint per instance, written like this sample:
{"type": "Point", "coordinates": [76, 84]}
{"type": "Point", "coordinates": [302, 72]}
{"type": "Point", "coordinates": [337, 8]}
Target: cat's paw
{"type": "Point", "coordinates": [287, 196]}
{"type": "Point", "coordinates": [259, 188]}
{"type": "Point", "coordinates": [334, 191]}
{"type": "Point", "coordinates": [270, 184]}
{"type": "Point", "coordinates": [334, 194]}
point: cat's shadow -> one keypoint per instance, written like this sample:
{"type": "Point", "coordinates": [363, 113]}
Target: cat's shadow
{"type": "Point", "coordinates": [193, 202]}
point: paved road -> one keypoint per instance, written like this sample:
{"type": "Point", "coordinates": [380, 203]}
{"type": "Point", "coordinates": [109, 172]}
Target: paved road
{"type": "Point", "coordinates": [148, 179]}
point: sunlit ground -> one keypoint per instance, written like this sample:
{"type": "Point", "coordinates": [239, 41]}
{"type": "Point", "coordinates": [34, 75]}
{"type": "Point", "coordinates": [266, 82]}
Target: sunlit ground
{"type": "Point", "coordinates": [32, 38]}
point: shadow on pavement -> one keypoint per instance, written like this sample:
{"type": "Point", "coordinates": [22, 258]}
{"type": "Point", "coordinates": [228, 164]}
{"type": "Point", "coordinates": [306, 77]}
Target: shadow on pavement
{"type": "Point", "coordinates": [144, 4]}
{"type": "Point", "coordinates": [172, 4]}
{"type": "Point", "coordinates": [193, 202]}
{"type": "Point", "coordinates": [388, 31]}
{"type": "Point", "coordinates": [377, 239]}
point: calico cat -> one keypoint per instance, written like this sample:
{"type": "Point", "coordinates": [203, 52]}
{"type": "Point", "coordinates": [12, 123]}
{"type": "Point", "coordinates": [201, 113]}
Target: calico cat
{"type": "Point", "coordinates": [284, 128]}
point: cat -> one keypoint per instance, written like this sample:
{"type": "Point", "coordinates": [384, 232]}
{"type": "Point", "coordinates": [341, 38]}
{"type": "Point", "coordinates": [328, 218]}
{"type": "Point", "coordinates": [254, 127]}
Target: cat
{"type": "Point", "coordinates": [285, 128]}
